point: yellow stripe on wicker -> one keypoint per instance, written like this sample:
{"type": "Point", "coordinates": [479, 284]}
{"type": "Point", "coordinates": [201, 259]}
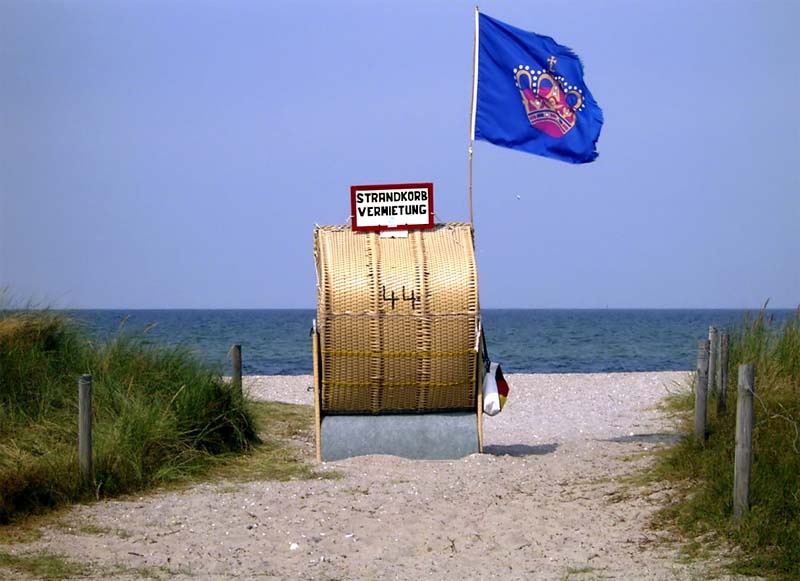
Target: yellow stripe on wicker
{"type": "Point", "coordinates": [407, 384]}
{"type": "Point", "coordinates": [400, 353]}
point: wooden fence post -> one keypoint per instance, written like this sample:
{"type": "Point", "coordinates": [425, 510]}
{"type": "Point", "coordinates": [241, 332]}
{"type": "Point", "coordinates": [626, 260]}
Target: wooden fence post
{"type": "Point", "coordinates": [722, 388]}
{"type": "Point", "coordinates": [85, 428]}
{"type": "Point", "coordinates": [744, 441]}
{"type": "Point", "coordinates": [700, 401]}
{"type": "Point", "coordinates": [712, 360]}
{"type": "Point", "coordinates": [236, 359]}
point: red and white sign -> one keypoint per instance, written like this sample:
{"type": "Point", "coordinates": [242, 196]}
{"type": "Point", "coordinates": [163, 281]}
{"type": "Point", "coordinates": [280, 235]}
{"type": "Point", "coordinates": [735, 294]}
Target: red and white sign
{"type": "Point", "coordinates": [392, 206]}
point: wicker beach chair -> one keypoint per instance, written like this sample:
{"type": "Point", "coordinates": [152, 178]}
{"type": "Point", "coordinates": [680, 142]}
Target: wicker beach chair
{"type": "Point", "coordinates": [397, 333]}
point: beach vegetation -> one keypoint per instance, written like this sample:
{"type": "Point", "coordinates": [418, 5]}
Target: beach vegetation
{"type": "Point", "coordinates": [766, 539]}
{"type": "Point", "coordinates": [287, 440]}
{"type": "Point", "coordinates": [159, 414]}
{"type": "Point", "coordinates": [42, 565]}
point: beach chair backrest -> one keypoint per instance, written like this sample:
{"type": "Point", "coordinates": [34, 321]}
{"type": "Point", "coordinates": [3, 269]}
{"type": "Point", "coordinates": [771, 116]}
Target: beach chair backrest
{"type": "Point", "coordinates": [397, 319]}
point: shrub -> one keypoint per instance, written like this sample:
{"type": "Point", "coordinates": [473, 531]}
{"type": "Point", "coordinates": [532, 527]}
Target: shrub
{"type": "Point", "coordinates": [159, 414]}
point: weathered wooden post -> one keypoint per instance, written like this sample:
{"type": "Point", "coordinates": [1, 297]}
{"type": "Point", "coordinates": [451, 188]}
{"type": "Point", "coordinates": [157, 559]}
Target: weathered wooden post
{"type": "Point", "coordinates": [236, 359]}
{"type": "Point", "coordinates": [701, 390]}
{"type": "Point", "coordinates": [722, 388]}
{"type": "Point", "coordinates": [85, 428]}
{"type": "Point", "coordinates": [712, 360]}
{"type": "Point", "coordinates": [744, 441]}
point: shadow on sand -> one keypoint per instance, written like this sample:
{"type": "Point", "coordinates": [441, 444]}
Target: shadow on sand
{"type": "Point", "coordinates": [520, 450]}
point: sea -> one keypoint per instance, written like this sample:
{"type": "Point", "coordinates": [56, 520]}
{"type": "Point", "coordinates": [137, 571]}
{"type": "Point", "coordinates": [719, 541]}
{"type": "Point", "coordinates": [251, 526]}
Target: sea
{"type": "Point", "coordinates": [278, 342]}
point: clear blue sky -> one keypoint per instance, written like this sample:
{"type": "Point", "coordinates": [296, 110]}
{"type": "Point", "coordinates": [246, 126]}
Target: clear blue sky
{"type": "Point", "coordinates": [178, 154]}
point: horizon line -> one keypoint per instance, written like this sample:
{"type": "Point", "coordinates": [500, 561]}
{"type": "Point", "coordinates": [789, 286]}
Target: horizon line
{"type": "Point", "coordinates": [488, 308]}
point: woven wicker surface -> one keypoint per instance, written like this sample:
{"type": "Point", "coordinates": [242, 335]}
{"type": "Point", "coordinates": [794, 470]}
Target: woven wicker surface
{"type": "Point", "coordinates": [397, 319]}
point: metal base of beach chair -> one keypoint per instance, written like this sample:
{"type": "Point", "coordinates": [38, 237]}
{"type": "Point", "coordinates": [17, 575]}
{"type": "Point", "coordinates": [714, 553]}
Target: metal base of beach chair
{"type": "Point", "coordinates": [443, 435]}
{"type": "Point", "coordinates": [434, 436]}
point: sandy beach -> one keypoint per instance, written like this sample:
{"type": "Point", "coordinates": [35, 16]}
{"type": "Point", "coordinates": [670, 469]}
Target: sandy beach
{"type": "Point", "coordinates": [548, 499]}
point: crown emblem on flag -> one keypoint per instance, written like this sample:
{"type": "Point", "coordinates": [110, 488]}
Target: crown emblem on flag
{"type": "Point", "coordinates": [551, 103]}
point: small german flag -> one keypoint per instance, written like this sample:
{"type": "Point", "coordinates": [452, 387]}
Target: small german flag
{"type": "Point", "coordinates": [495, 390]}
{"type": "Point", "coordinates": [502, 385]}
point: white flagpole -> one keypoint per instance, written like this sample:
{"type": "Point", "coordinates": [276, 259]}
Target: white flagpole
{"type": "Point", "coordinates": [473, 107]}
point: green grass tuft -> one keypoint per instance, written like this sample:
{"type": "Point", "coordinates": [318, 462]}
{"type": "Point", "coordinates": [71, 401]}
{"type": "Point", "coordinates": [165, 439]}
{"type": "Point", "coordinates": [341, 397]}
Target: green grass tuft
{"type": "Point", "coordinates": [42, 565]}
{"type": "Point", "coordinates": [277, 457]}
{"type": "Point", "coordinates": [768, 537]}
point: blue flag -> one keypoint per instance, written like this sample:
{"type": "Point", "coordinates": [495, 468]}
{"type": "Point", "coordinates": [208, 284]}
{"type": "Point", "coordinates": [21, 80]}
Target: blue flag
{"type": "Point", "coordinates": [530, 95]}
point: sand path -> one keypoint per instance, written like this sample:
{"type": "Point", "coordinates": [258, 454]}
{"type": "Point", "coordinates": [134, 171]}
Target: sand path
{"type": "Point", "coordinates": [546, 501]}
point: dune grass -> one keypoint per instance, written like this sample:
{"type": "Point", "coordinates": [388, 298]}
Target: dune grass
{"type": "Point", "coordinates": [159, 414]}
{"type": "Point", "coordinates": [768, 537]}
{"type": "Point", "coordinates": [277, 457]}
{"type": "Point", "coordinates": [42, 565]}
